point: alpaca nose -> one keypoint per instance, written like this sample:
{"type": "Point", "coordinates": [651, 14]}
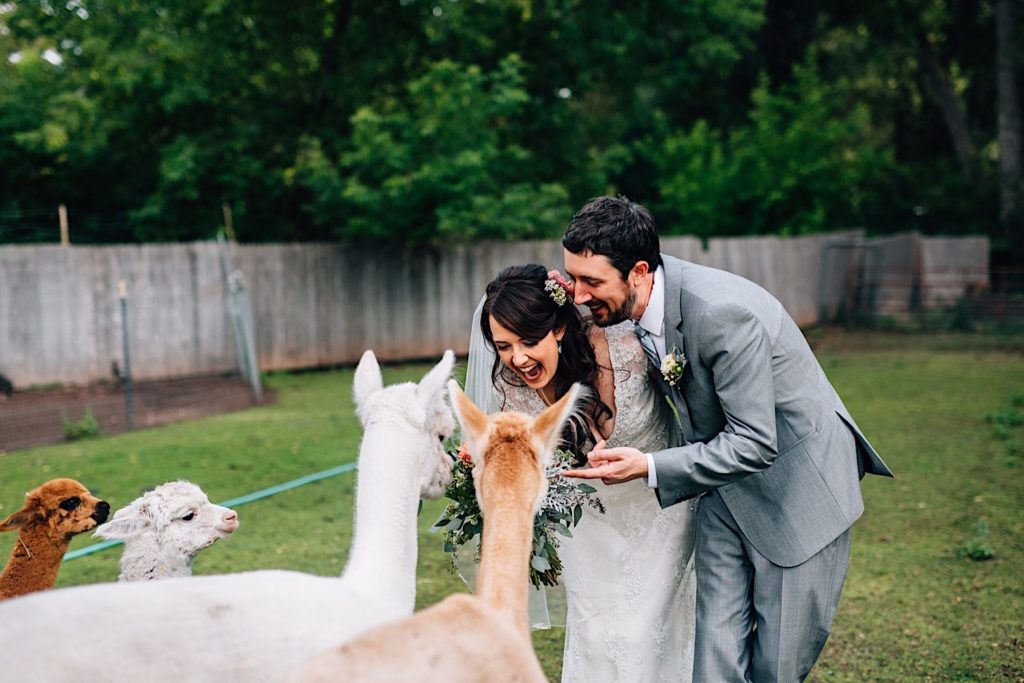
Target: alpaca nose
{"type": "Point", "coordinates": [102, 511]}
{"type": "Point", "coordinates": [230, 520]}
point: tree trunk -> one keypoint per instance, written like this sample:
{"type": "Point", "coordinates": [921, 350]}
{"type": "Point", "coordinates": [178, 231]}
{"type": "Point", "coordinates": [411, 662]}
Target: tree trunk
{"type": "Point", "coordinates": [330, 58]}
{"type": "Point", "coordinates": [949, 105]}
{"type": "Point", "coordinates": [1009, 120]}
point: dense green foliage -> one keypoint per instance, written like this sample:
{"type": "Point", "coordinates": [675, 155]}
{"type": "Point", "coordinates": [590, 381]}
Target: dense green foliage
{"type": "Point", "coordinates": [443, 121]}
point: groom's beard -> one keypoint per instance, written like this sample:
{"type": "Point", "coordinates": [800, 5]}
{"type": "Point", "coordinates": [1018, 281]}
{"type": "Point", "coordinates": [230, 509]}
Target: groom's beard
{"type": "Point", "coordinates": [617, 315]}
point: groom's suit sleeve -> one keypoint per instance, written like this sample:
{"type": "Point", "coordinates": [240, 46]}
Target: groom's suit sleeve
{"type": "Point", "coordinates": [734, 344]}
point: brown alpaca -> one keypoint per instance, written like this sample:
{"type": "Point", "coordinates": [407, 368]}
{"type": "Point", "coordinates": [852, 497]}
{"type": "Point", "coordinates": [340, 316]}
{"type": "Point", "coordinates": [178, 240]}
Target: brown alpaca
{"type": "Point", "coordinates": [485, 637]}
{"type": "Point", "coordinates": [52, 514]}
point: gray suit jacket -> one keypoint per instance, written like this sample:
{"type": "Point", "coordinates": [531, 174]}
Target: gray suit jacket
{"type": "Point", "coordinates": [759, 419]}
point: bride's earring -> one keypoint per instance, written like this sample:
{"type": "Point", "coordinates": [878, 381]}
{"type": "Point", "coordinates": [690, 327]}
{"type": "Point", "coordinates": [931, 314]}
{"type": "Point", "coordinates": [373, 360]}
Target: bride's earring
{"type": "Point", "coordinates": [559, 348]}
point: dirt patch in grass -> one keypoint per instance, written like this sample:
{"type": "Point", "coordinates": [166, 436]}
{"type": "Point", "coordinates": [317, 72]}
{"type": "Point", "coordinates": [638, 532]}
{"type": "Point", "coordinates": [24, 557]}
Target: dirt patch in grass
{"type": "Point", "coordinates": [37, 417]}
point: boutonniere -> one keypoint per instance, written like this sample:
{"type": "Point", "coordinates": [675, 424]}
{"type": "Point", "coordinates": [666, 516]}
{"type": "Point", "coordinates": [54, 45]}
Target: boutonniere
{"type": "Point", "coordinates": [672, 366]}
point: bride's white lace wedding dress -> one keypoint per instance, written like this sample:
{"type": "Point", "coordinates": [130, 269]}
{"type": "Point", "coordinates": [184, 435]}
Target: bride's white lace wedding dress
{"type": "Point", "coordinates": [628, 573]}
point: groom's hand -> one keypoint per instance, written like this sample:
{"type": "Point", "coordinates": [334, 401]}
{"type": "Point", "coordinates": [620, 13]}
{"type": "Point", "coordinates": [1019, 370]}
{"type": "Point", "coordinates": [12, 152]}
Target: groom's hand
{"type": "Point", "coordinates": [612, 465]}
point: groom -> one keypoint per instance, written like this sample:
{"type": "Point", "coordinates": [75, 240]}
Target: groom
{"type": "Point", "coordinates": [769, 445]}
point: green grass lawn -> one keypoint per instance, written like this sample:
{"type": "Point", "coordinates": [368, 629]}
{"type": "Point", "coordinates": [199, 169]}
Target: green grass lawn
{"type": "Point", "coordinates": [911, 610]}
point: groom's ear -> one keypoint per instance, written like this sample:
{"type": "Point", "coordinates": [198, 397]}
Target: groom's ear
{"type": "Point", "coordinates": [640, 269]}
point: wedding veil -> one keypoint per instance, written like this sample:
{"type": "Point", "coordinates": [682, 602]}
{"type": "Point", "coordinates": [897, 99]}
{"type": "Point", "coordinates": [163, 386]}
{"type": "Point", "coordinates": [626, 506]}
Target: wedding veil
{"type": "Point", "coordinates": [478, 369]}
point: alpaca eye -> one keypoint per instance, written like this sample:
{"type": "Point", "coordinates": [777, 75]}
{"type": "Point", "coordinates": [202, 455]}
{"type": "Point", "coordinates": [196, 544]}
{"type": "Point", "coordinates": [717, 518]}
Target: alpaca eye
{"type": "Point", "coordinates": [70, 504]}
{"type": "Point", "coordinates": [440, 437]}
{"type": "Point", "coordinates": [189, 517]}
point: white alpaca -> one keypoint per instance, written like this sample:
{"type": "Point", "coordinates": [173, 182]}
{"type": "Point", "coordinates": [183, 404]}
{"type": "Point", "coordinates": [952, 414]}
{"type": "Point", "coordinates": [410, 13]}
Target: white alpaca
{"type": "Point", "coordinates": [256, 626]}
{"type": "Point", "coordinates": [164, 529]}
{"type": "Point", "coordinates": [468, 638]}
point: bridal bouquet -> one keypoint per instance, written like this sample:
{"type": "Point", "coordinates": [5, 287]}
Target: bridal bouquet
{"type": "Point", "coordinates": [560, 510]}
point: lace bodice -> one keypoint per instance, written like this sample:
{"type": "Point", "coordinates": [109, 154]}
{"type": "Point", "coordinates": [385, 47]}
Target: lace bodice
{"type": "Point", "coordinates": [628, 573]}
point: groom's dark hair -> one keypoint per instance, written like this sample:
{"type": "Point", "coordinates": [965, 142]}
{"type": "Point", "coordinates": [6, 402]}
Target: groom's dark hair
{"type": "Point", "coordinates": [617, 228]}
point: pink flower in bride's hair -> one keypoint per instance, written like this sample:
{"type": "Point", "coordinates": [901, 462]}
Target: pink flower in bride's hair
{"type": "Point", "coordinates": [562, 283]}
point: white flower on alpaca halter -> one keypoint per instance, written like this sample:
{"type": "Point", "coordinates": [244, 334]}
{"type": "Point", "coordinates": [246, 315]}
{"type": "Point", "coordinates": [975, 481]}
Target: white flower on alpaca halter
{"type": "Point", "coordinates": [672, 366]}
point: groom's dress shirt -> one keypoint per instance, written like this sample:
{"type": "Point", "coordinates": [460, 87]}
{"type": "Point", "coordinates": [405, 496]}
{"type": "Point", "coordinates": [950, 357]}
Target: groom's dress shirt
{"type": "Point", "coordinates": [653, 321]}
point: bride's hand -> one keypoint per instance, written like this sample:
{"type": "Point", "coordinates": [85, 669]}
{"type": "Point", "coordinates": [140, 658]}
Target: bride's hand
{"type": "Point", "coordinates": [612, 465]}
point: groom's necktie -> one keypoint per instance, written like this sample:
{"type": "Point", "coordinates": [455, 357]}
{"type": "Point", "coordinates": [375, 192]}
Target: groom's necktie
{"type": "Point", "coordinates": [679, 407]}
{"type": "Point", "coordinates": [647, 342]}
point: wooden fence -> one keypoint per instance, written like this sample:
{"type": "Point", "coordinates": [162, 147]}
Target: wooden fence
{"type": "Point", "coordinates": [319, 304]}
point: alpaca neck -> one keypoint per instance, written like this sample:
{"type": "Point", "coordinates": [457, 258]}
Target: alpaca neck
{"type": "Point", "coordinates": [35, 561]}
{"type": "Point", "coordinates": [143, 559]}
{"type": "Point", "coordinates": [504, 575]}
{"type": "Point", "coordinates": [384, 544]}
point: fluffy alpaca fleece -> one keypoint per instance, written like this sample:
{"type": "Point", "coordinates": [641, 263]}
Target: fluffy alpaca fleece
{"type": "Point", "coordinates": [256, 626]}
{"type": "Point", "coordinates": [471, 638]}
{"type": "Point", "coordinates": [164, 529]}
{"type": "Point", "coordinates": [52, 514]}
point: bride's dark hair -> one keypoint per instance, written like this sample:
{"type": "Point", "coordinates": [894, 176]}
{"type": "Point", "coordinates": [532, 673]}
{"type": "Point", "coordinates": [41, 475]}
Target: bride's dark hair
{"type": "Point", "coordinates": [518, 301]}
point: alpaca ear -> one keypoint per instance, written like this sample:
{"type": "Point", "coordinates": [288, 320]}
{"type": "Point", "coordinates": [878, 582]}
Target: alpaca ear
{"type": "Point", "coordinates": [368, 380]}
{"type": "Point", "coordinates": [19, 519]}
{"type": "Point", "coordinates": [433, 382]}
{"type": "Point", "coordinates": [127, 522]}
{"type": "Point", "coordinates": [473, 420]}
{"type": "Point", "coordinates": [548, 425]}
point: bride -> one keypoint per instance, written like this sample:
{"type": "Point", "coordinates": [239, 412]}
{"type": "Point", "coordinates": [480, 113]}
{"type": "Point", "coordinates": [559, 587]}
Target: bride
{"type": "Point", "coordinates": [628, 573]}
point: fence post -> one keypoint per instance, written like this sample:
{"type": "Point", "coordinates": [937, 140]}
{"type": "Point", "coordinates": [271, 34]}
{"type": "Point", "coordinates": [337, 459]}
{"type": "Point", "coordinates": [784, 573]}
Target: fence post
{"type": "Point", "coordinates": [229, 221]}
{"type": "Point", "coordinates": [62, 213]}
{"type": "Point", "coordinates": [122, 293]}
{"type": "Point", "coordinates": [241, 316]}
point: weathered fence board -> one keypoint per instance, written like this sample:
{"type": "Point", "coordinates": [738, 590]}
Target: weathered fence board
{"type": "Point", "coordinates": [951, 266]}
{"type": "Point", "coordinates": [322, 304]}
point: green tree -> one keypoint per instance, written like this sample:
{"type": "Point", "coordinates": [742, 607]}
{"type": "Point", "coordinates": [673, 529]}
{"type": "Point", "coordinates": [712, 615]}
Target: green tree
{"type": "Point", "coordinates": [927, 72]}
{"type": "Point", "coordinates": [195, 103]}
{"type": "Point", "coordinates": [326, 119]}
{"type": "Point", "coordinates": [444, 152]}
{"type": "Point", "coordinates": [806, 161]}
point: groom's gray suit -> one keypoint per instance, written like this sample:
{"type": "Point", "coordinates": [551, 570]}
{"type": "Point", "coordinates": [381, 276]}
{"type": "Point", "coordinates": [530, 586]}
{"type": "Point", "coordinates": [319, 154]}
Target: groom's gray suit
{"type": "Point", "coordinates": [768, 437]}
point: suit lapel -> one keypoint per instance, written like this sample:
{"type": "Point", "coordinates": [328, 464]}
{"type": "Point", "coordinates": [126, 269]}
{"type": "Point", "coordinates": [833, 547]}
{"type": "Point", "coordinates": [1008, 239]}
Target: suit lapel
{"type": "Point", "coordinates": [674, 340]}
{"type": "Point", "coordinates": [673, 292]}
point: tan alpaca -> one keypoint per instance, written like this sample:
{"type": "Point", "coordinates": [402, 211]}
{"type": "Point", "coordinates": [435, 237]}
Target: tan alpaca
{"type": "Point", "coordinates": [52, 514]}
{"type": "Point", "coordinates": [472, 638]}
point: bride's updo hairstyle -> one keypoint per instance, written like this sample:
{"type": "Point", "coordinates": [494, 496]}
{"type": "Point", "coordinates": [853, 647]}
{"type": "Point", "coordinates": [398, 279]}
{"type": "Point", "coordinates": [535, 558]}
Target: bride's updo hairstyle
{"type": "Point", "coordinates": [518, 301]}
